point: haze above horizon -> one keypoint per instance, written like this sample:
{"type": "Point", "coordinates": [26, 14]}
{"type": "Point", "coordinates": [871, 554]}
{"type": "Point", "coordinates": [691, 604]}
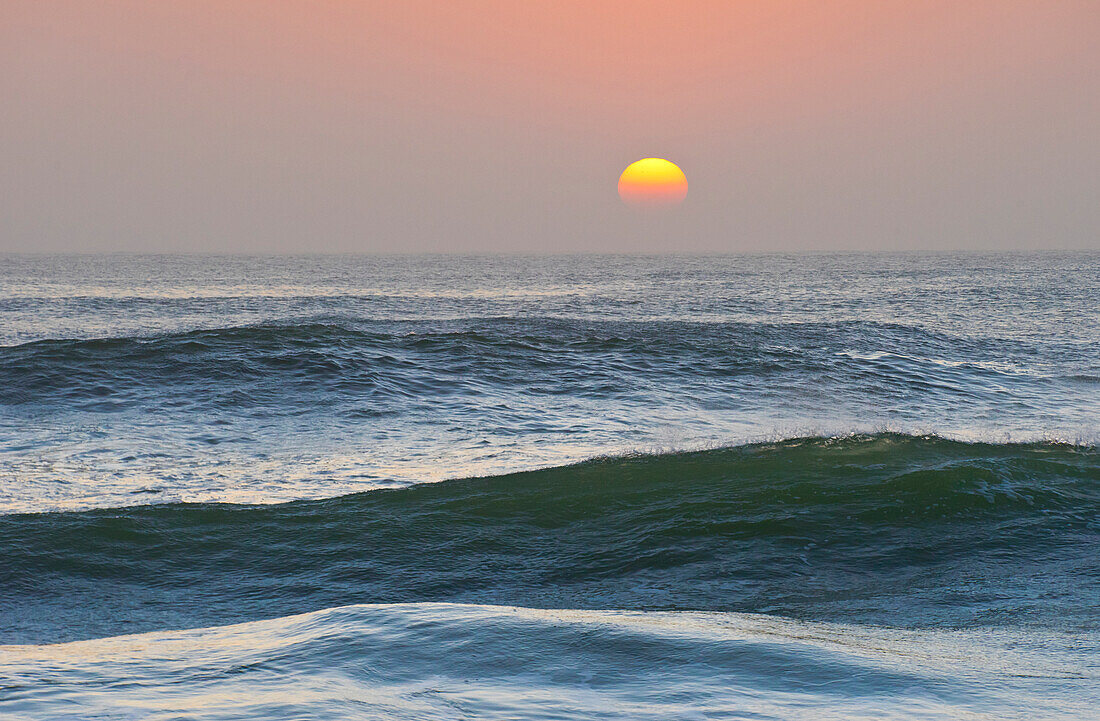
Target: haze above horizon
{"type": "Point", "coordinates": [484, 127]}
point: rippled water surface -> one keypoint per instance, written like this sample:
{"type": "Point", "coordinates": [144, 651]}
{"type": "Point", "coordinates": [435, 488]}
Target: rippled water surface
{"type": "Point", "coordinates": [852, 486]}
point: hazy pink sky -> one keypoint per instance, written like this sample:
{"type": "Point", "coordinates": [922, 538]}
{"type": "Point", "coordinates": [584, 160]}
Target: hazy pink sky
{"type": "Point", "coordinates": [503, 126]}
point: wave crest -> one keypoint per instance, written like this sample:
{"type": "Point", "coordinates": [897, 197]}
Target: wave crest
{"type": "Point", "coordinates": [872, 528]}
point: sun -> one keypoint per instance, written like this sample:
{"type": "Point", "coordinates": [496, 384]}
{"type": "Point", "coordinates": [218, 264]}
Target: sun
{"type": "Point", "coordinates": [653, 183]}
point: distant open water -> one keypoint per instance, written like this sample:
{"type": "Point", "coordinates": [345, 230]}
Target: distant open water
{"type": "Point", "coordinates": [823, 486]}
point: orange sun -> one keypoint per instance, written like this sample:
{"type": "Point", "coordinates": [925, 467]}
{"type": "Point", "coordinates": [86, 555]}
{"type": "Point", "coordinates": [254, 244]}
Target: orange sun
{"type": "Point", "coordinates": [652, 183]}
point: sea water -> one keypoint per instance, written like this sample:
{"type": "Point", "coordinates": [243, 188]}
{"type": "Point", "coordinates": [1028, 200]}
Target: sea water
{"type": "Point", "coordinates": [743, 487]}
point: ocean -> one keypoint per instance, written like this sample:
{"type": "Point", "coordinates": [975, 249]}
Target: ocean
{"type": "Point", "coordinates": [817, 486]}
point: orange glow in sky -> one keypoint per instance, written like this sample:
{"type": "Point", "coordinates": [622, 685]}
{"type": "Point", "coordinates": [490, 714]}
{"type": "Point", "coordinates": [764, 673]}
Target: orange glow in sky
{"type": "Point", "coordinates": [327, 125]}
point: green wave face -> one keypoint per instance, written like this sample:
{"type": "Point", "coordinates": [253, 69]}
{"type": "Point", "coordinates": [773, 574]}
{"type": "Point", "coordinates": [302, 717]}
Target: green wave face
{"type": "Point", "coordinates": [888, 529]}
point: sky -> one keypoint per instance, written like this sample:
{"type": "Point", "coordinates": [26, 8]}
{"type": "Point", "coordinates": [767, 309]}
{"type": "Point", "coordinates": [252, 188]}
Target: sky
{"type": "Point", "coordinates": [344, 126]}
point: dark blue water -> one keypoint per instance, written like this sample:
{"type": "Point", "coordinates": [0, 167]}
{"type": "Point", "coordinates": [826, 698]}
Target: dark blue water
{"type": "Point", "coordinates": [853, 486]}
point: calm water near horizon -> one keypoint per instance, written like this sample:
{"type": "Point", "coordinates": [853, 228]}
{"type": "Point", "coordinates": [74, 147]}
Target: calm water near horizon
{"type": "Point", "coordinates": [848, 486]}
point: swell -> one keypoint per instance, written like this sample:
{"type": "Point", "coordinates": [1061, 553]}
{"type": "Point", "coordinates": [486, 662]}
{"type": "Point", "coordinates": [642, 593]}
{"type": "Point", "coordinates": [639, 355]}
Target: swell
{"type": "Point", "coordinates": [393, 360]}
{"type": "Point", "coordinates": [888, 529]}
{"type": "Point", "coordinates": [442, 661]}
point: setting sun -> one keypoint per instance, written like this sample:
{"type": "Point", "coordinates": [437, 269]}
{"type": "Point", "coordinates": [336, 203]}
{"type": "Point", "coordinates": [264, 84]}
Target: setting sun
{"type": "Point", "coordinates": [652, 182]}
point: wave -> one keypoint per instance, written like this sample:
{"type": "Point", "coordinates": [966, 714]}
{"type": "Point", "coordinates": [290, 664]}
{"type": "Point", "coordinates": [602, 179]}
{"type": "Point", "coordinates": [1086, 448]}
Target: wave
{"type": "Point", "coordinates": [444, 661]}
{"type": "Point", "coordinates": [395, 359]}
{"type": "Point", "coordinates": [312, 409]}
{"type": "Point", "coordinates": [888, 529]}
